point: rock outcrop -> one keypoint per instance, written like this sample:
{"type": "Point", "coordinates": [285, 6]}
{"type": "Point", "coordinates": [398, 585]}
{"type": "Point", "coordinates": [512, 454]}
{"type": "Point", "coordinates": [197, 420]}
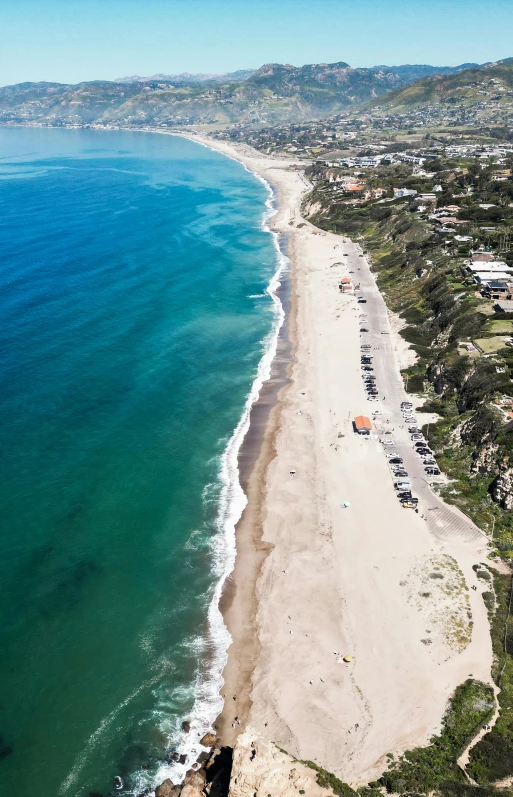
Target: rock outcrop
{"type": "Point", "coordinates": [254, 768]}
{"type": "Point", "coordinates": [260, 768]}
{"type": "Point", "coordinates": [502, 489]}
{"type": "Point", "coordinates": [167, 789]}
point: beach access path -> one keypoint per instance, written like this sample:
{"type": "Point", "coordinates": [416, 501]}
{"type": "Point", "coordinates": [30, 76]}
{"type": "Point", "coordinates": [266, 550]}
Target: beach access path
{"type": "Point", "coordinates": [315, 581]}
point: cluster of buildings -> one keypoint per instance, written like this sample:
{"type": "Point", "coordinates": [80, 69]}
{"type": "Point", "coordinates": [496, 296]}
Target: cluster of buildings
{"type": "Point", "coordinates": [494, 277]}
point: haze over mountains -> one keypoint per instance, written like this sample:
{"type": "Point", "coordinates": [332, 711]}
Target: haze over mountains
{"type": "Point", "coordinates": [187, 77]}
{"type": "Point", "coordinates": [275, 93]}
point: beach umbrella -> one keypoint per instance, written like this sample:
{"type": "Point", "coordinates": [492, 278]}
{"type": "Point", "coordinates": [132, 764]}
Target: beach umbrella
{"type": "Point", "coordinates": [347, 659]}
{"type": "Point", "coordinates": [346, 504]}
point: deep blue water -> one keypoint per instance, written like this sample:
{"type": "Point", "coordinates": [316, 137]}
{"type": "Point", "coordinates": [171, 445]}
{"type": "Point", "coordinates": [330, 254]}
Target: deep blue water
{"type": "Point", "coordinates": [133, 316]}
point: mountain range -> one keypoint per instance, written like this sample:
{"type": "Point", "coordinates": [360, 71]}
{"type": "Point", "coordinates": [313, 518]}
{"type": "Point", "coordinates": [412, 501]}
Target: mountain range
{"type": "Point", "coordinates": [275, 93]}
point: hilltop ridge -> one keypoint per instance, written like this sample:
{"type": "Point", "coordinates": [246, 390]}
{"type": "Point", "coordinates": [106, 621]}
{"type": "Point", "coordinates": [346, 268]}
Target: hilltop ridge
{"type": "Point", "coordinates": [272, 94]}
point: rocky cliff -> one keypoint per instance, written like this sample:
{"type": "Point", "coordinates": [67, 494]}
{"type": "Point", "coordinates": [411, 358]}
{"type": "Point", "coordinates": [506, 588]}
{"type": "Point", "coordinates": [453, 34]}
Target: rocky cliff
{"type": "Point", "coordinates": [255, 767]}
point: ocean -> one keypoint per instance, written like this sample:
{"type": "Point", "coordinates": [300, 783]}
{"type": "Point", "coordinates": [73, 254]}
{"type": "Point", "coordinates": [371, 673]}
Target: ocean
{"type": "Point", "coordinates": [138, 319]}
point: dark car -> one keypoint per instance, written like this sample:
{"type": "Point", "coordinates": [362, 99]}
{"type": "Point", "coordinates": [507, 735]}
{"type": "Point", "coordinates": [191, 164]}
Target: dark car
{"type": "Point", "coordinates": [361, 300]}
{"type": "Point", "coordinates": [400, 474]}
{"type": "Point", "coordinates": [432, 471]}
{"type": "Point", "coordinates": [396, 461]}
{"type": "Point", "coordinates": [410, 500]}
{"type": "Point", "coordinates": [367, 368]}
{"type": "Point", "coordinates": [364, 329]}
{"type": "Point", "coordinates": [424, 452]}
{"type": "Point", "coordinates": [404, 494]}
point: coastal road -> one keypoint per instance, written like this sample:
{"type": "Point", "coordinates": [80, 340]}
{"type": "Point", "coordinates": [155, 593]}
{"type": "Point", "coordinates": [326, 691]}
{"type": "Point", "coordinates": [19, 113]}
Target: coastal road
{"type": "Point", "coordinates": [443, 520]}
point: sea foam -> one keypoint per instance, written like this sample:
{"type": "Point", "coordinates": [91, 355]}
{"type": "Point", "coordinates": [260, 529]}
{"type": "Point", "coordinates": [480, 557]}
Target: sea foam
{"type": "Point", "coordinates": [212, 649]}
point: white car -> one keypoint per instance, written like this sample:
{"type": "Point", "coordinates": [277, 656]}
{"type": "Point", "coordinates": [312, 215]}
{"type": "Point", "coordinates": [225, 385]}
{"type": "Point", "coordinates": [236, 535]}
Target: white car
{"type": "Point", "coordinates": [388, 442]}
{"type": "Point", "coordinates": [371, 398]}
{"type": "Point", "coordinates": [377, 412]}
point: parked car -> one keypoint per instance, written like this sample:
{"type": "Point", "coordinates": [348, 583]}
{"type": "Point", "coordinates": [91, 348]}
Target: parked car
{"type": "Point", "coordinates": [371, 398]}
{"type": "Point", "coordinates": [404, 484]}
{"type": "Point", "coordinates": [416, 436]}
{"type": "Point", "coordinates": [414, 430]}
{"type": "Point", "coordinates": [396, 461]}
{"type": "Point", "coordinates": [424, 452]}
{"type": "Point", "coordinates": [404, 494]}
{"type": "Point", "coordinates": [361, 300]}
{"type": "Point", "coordinates": [400, 474]}
{"type": "Point", "coordinates": [429, 462]}
{"type": "Point", "coordinates": [364, 329]}
{"type": "Point", "coordinates": [408, 505]}
{"type": "Point", "coordinates": [432, 471]}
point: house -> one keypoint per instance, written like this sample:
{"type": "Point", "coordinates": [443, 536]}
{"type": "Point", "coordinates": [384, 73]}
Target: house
{"type": "Point", "coordinates": [400, 192]}
{"type": "Point", "coordinates": [499, 290]}
{"type": "Point", "coordinates": [490, 268]}
{"type": "Point", "coordinates": [351, 188]}
{"type": "Point", "coordinates": [487, 277]}
{"type": "Point", "coordinates": [448, 220]}
{"type": "Point", "coordinates": [412, 159]}
{"type": "Point", "coordinates": [503, 306]}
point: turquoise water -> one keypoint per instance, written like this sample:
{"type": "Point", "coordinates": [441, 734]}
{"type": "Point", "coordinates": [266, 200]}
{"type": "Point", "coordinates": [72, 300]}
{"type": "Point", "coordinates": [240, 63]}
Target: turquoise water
{"type": "Point", "coordinates": [133, 318]}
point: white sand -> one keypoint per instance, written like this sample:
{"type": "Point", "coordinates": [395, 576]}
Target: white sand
{"type": "Point", "coordinates": [343, 581]}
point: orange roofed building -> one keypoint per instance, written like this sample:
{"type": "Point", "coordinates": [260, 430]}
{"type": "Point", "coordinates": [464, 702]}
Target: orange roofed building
{"type": "Point", "coordinates": [362, 424]}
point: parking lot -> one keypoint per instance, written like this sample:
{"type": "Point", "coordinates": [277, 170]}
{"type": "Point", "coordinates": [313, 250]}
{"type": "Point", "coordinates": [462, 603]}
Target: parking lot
{"type": "Point", "coordinates": [388, 395]}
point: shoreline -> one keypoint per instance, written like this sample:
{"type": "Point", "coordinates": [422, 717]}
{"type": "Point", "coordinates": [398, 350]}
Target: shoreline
{"type": "Point", "coordinates": [238, 603]}
{"type": "Point", "coordinates": [360, 572]}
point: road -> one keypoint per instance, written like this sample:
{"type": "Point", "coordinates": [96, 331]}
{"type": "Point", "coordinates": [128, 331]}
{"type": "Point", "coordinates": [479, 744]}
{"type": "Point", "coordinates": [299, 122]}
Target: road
{"type": "Point", "coordinates": [443, 520]}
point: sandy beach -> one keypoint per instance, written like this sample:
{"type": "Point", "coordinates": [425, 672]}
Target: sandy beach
{"type": "Point", "coordinates": [314, 581]}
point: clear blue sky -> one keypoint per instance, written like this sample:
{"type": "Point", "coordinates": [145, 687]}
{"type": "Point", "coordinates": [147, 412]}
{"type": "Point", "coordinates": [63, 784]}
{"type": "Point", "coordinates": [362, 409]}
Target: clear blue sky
{"type": "Point", "coordinates": [74, 40]}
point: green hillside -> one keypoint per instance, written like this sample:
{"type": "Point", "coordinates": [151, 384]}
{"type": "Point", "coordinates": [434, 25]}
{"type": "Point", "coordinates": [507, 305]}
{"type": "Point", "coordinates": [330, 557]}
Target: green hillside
{"type": "Point", "coordinates": [490, 85]}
